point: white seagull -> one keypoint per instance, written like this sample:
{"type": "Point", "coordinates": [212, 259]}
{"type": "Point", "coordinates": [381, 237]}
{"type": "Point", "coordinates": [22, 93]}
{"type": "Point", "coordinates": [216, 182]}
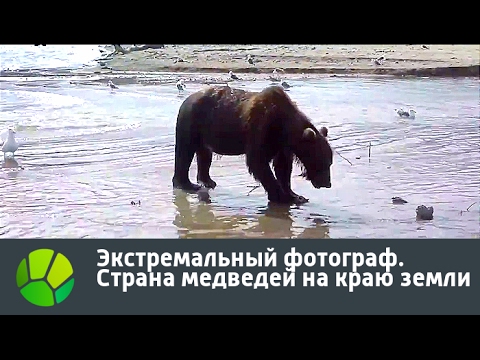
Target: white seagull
{"type": "Point", "coordinates": [406, 114]}
{"type": "Point", "coordinates": [275, 77]}
{"type": "Point", "coordinates": [233, 76]}
{"type": "Point", "coordinates": [10, 145]}
{"type": "Point", "coordinates": [181, 85]}
{"type": "Point", "coordinates": [112, 85]}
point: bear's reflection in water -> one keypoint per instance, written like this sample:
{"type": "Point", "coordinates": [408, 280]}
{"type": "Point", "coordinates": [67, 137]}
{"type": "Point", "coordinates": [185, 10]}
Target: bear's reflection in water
{"type": "Point", "coordinates": [195, 220]}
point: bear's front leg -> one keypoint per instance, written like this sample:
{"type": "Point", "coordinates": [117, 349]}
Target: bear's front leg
{"type": "Point", "coordinates": [283, 165]}
{"type": "Point", "coordinates": [260, 169]}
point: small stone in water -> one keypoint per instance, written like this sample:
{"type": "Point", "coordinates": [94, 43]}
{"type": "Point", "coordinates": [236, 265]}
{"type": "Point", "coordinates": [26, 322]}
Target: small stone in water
{"type": "Point", "coordinates": [398, 200]}
{"type": "Point", "coordinates": [424, 213]}
{"type": "Point", "coordinates": [203, 195]}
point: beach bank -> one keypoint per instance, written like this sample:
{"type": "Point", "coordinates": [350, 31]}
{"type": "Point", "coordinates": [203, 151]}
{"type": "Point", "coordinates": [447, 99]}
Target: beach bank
{"type": "Point", "coordinates": [396, 60]}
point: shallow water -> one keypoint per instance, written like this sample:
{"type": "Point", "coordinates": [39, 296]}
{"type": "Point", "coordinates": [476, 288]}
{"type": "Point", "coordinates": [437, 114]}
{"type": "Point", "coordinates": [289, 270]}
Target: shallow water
{"type": "Point", "coordinates": [87, 152]}
{"type": "Point", "coordinates": [28, 57]}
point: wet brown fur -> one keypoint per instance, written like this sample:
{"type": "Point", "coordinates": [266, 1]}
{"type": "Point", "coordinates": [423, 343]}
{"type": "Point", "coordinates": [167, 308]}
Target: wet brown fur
{"type": "Point", "coordinates": [263, 125]}
{"type": "Point", "coordinates": [261, 107]}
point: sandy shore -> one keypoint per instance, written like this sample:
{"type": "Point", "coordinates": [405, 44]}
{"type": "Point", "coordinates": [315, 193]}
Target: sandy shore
{"type": "Point", "coordinates": [406, 60]}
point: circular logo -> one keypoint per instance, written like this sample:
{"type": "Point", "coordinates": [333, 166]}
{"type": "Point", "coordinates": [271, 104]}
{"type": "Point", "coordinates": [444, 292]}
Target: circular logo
{"type": "Point", "coordinates": [45, 279]}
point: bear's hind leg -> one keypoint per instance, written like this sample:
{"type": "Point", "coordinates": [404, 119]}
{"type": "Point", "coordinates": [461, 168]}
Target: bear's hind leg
{"type": "Point", "coordinates": [183, 159]}
{"type": "Point", "coordinates": [283, 165]}
{"type": "Point", "coordinates": [204, 161]}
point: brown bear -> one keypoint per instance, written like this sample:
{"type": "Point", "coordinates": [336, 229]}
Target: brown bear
{"type": "Point", "coordinates": [264, 126]}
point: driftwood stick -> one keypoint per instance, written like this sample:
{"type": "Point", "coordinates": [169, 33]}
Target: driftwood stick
{"type": "Point", "coordinates": [343, 157]}
{"type": "Point", "coordinates": [121, 50]}
{"type": "Point", "coordinates": [471, 205]}
{"type": "Point", "coordinates": [254, 187]}
{"type": "Point", "coordinates": [462, 211]}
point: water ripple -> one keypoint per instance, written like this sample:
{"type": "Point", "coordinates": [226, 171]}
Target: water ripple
{"type": "Point", "coordinates": [87, 153]}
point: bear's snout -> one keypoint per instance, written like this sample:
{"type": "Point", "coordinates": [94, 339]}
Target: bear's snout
{"type": "Point", "coordinates": [319, 186]}
{"type": "Point", "coordinates": [322, 181]}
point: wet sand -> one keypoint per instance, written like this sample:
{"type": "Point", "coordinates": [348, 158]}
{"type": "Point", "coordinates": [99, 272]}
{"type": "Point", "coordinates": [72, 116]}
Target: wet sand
{"type": "Point", "coordinates": [399, 60]}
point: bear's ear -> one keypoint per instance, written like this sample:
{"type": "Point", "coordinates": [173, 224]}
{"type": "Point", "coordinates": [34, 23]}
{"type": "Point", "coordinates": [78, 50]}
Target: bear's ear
{"type": "Point", "coordinates": [309, 134]}
{"type": "Point", "coordinates": [324, 131]}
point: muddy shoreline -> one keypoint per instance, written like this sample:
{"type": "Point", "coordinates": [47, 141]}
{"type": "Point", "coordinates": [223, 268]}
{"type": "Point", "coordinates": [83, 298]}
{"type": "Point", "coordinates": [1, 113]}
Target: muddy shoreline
{"type": "Point", "coordinates": [393, 60]}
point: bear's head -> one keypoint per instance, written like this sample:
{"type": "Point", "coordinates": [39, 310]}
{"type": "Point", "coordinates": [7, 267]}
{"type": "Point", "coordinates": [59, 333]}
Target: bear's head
{"type": "Point", "coordinates": [315, 156]}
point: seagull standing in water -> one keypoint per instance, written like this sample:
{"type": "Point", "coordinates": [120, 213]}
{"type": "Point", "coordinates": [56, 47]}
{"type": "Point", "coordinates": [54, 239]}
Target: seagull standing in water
{"type": "Point", "coordinates": [180, 85]}
{"type": "Point", "coordinates": [406, 114]}
{"type": "Point", "coordinates": [275, 77]}
{"type": "Point", "coordinates": [233, 76]}
{"type": "Point", "coordinates": [10, 145]}
{"type": "Point", "coordinates": [112, 85]}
